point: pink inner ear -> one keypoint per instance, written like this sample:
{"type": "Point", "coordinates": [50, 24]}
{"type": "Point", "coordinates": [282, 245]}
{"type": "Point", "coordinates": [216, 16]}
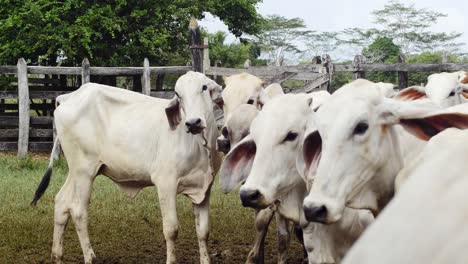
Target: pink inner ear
{"type": "Point", "coordinates": [465, 80]}
{"type": "Point", "coordinates": [410, 94]}
{"type": "Point", "coordinates": [220, 103]}
{"type": "Point", "coordinates": [312, 151]}
{"type": "Point", "coordinates": [425, 128]}
{"type": "Point", "coordinates": [173, 114]}
{"type": "Point", "coordinates": [465, 94]}
{"type": "Point", "coordinates": [237, 165]}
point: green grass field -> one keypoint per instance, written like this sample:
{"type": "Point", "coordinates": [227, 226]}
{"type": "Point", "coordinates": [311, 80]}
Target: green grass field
{"type": "Point", "coordinates": [121, 230]}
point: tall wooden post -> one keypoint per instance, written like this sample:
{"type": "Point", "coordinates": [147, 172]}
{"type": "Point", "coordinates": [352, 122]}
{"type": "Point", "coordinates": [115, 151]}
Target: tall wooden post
{"type": "Point", "coordinates": [23, 108]}
{"type": "Point", "coordinates": [85, 71]}
{"type": "Point", "coordinates": [445, 57]}
{"type": "Point", "coordinates": [206, 55]}
{"type": "Point", "coordinates": [328, 64]}
{"type": "Point", "coordinates": [402, 76]}
{"type": "Point", "coordinates": [195, 46]}
{"type": "Point", "coordinates": [358, 60]}
{"type": "Point", "coordinates": [146, 77]}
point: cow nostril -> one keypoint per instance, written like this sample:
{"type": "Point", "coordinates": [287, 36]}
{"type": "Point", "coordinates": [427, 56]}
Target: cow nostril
{"type": "Point", "coordinates": [316, 214]}
{"type": "Point", "coordinates": [197, 121]}
{"type": "Point", "coordinates": [250, 198]}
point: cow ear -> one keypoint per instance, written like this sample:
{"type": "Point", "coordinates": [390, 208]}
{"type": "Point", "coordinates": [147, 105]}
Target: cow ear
{"type": "Point", "coordinates": [425, 122]}
{"type": "Point", "coordinates": [262, 99]}
{"type": "Point", "coordinates": [215, 91]}
{"type": "Point", "coordinates": [173, 113]}
{"type": "Point", "coordinates": [411, 93]}
{"type": "Point", "coordinates": [237, 164]}
{"type": "Point", "coordinates": [463, 80]}
{"type": "Point", "coordinates": [309, 156]}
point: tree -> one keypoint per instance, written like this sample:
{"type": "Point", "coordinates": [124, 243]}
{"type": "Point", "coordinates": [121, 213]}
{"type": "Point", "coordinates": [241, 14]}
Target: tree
{"type": "Point", "coordinates": [320, 43]}
{"type": "Point", "coordinates": [382, 50]}
{"type": "Point", "coordinates": [408, 26]}
{"type": "Point", "coordinates": [232, 55]}
{"type": "Point", "coordinates": [279, 37]}
{"type": "Point", "coordinates": [114, 32]}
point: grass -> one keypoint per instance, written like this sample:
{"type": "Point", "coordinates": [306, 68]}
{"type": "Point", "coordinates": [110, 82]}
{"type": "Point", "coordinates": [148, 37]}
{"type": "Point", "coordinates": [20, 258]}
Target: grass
{"type": "Point", "coordinates": [121, 230]}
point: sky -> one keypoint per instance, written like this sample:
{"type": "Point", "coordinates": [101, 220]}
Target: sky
{"type": "Point", "coordinates": [335, 15]}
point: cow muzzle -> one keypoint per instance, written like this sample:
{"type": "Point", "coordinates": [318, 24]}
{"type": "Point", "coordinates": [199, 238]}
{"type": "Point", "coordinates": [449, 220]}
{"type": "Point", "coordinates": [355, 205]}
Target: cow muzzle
{"type": "Point", "coordinates": [322, 212]}
{"type": "Point", "coordinates": [252, 198]}
{"type": "Point", "coordinates": [223, 145]}
{"type": "Point", "coordinates": [194, 125]}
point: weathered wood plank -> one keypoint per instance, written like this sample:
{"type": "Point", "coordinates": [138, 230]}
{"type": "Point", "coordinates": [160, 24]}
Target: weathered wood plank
{"type": "Point", "coordinates": [358, 60]}
{"type": "Point", "coordinates": [282, 77]}
{"type": "Point", "coordinates": [33, 133]}
{"type": "Point", "coordinates": [23, 109]}
{"type": "Point", "coordinates": [312, 85]}
{"type": "Point", "coordinates": [42, 120]}
{"type": "Point", "coordinates": [8, 69]}
{"type": "Point", "coordinates": [163, 94]}
{"type": "Point", "coordinates": [33, 146]}
{"type": "Point", "coordinates": [146, 77]}
{"type": "Point", "coordinates": [417, 67]}
{"type": "Point", "coordinates": [402, 76]}
{"type": "Point", "coordinates": [54, 70]}
{"type": "Point", "coordinates": [206, 55]}
{"type": "Point", "coordinates": [33, 94]}
{"type": "Point", "coordinates": [303, 72]}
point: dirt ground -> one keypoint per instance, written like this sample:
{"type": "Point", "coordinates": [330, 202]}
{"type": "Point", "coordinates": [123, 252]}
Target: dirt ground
{"type": "Point", "coordinates": [121, 230]}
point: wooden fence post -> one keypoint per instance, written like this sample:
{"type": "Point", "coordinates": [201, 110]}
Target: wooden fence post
{"type": "Point", "coordinates": [402, 76]}
{"type": "Point", "coordinates": [85, 71]}
{"type": "Point", "coordinates": [206, 55]}
{"type": "Point", "coordinates": [195, 46]}
{"type": "Point", "coordinates": [328, 64]}
{"type": "Point", "coordinates": [23, 108]}
{"type": "Point", "coordinates": [358, 60]}
{"type": "Point", "coordinates": [146, 77]}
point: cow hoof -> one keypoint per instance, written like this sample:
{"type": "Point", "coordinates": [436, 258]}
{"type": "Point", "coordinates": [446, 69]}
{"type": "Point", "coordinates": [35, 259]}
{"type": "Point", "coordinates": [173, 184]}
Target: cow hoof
{"type": "Point", "coordinates": [56, 259]}
{"type": "Point", "coordinates": [90, 259]}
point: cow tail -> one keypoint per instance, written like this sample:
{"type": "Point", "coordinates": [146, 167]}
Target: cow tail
{"type": "Point", "coordinates": [48, 174]}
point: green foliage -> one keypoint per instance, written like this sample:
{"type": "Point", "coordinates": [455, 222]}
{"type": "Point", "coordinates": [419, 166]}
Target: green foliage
{"type": "Point", "coordinates": [114, 32]}
{"type": "Point", "coordinates": [280, 36]}
{"type": "Point", "coordinates": [340, 79]}
{"type": "Point", "coordinates": [418, 78]}
{"type": "Point", "coordinates": [232, 55]}
{"type": "Point", "coordinates": [408, 26]}
{"type": "Point", "coordinates": [382, 50]}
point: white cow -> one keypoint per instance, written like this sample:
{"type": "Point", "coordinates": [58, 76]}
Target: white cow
{"type": "Point", "coordinates": [246, 88]}
{"type": "Point", "coordinates": [243, 97]}
{"type": "Point", "coordinates": [137, 141]}
{"type": "Point", "coordinates": [359, 148]}
{"type": "Point", "coordinates": [267, 159]}
{"type": "Point", "coordinates": [444, 89]}
{"type": "Point", "coordinates": [426, 221]}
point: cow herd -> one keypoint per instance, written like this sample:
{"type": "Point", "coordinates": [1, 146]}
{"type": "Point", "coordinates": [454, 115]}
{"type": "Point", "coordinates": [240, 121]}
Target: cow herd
{"type": "Point", "coordinates": [365, 175]}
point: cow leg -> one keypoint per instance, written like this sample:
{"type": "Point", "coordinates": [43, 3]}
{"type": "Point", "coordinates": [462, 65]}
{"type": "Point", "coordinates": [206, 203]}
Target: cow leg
{"type": "Point", "coordinates": [167, 200]}
{"type": "Point", "coordinates": [282, 235]}
{"type": "Point", "coordinates": [262, 221]}
{"type": "Point", "coordinates": [201, 212]}
{"type": "Point", "coordinates": [61, 215]}
{"type": "Point", "coordinates": [79, 212]}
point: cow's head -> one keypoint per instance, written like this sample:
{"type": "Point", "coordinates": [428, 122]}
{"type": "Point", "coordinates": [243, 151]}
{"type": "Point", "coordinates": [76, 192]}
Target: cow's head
{"type": "Point", "coordinates": [241, 89]}
{"type": "Point", "coordinates": [236, 127]}
{"type": "Point", "coordinates": [267, 156]}
{"type": "Point", "coordinates": [193, 102]}
{"type": "Point", "coordinates": [444, 89]}
{"type": "Point", "coordinates": [358, 150]}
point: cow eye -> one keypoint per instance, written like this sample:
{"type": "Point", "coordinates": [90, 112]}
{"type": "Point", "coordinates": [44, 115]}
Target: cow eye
{"type": "Point", "coordinates": [250, 101]}
{"type": "Point", "coordinates": [204, 87]}
{"type": "Point", "coordinates": [225, 132]}
{"type": "Point", "coordinates": [291, 136]}
{"type": "Point", "coordinates": [452, 93]}
{"type": "Point", "coordinates": [360, 128]}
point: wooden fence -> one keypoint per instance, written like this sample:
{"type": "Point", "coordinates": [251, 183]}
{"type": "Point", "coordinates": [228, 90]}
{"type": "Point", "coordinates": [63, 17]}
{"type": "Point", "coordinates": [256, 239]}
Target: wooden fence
{"type": "Point", "coordinates": [26, 107]}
